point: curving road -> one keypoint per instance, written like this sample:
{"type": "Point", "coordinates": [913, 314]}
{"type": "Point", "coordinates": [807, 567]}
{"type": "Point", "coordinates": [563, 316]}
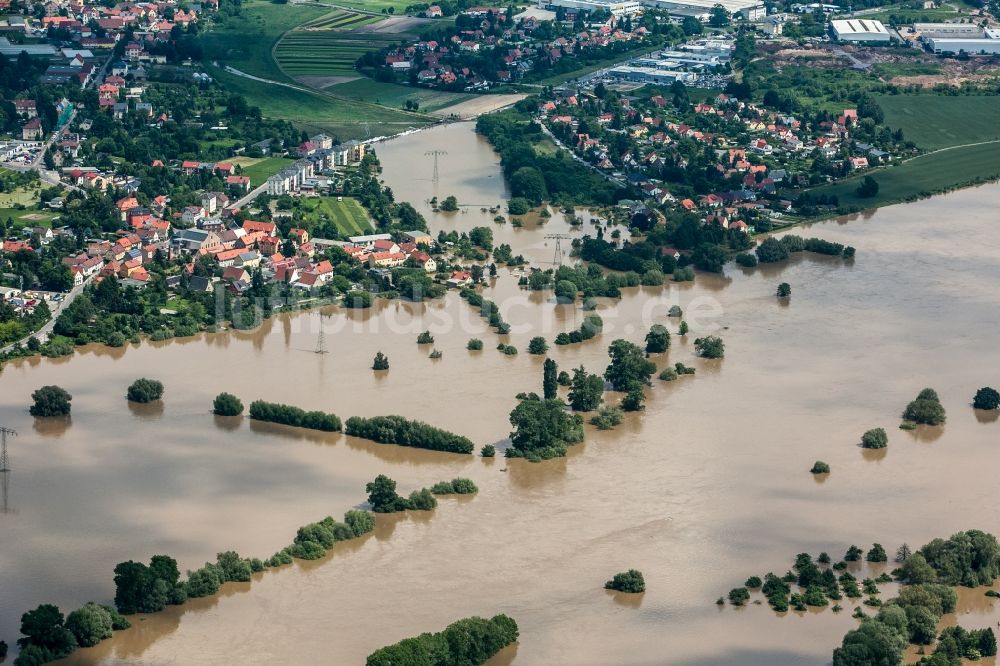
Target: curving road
{"type": "Point", "coordinates": [43, 333]}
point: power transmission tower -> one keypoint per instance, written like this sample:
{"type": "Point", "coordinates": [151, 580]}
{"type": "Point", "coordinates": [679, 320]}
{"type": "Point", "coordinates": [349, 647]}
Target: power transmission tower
{"type": "Point", "coordinates": [557, 257]}
{"type": "Point", "coordinates": [436, 153]}
{"type": "Point", "coordinates": [321, 338]}
{"type": "Point", "coordinates": [4, 459]}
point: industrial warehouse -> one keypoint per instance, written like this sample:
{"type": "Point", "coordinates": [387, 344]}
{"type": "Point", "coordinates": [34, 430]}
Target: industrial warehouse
{"type": "Point", "coordinates": [957, 38]}
{"type": "Point", "coordinates": [860, 30]}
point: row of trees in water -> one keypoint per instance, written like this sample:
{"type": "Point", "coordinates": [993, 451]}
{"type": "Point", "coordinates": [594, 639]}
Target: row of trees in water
{"type": "Point", "coordinates": [148, 588]}
{"type": "Point", "coordinates": [467, 642]}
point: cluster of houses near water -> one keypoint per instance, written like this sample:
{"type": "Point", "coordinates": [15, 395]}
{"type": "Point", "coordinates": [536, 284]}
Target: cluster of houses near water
{"type": "Point", "coordinates": [775, 158]}
{"type": "Point", "coordinates": [492, 52]}
{"type": "Point", "coordinates": [317, 156]}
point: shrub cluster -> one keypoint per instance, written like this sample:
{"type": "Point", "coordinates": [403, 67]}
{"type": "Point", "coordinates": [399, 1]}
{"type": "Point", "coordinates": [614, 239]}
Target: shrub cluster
{"type": "Point", "coordinates": [627, 581]}
{"type": "Point", "coordinates": [607, 417]}
{"type": "Point", "coordinates": [227, 404]}
{"type": "Point", "coordinates": [294, 416]}
{"type": "Point", "coordinates": [925, 409]}
{"type": "Point", "coordinates": [591, 326]}
{"type": "Point", "coordinates": [145, 390]}
{"type": "Point", "coordinates": [470, 641]}
{"type": "Point", "coordinates": [875, 439]}
{"type": "Point", "coordinates": [402, 431]}
{"type": "Point", "coordinates": [487, 309]}
{"type": "Point", "coordinates": [458, 486]}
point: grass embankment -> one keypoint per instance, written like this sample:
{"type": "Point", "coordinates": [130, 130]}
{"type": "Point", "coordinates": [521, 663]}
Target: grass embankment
{"type": "Point", "coordinates": [923, 176]}
{"type": "Point", "coordinates": [961, 135]}
{"type": "Point", "coordinates": [319, 112]}
{"type": "Point", "coordinates": [391, 94]}
{"type": "Point", "coordinates": [347, 214]}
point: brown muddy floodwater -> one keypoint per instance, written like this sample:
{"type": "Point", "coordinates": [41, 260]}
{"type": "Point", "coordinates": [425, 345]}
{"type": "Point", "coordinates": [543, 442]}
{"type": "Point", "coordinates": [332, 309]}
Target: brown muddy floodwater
{"type": "Point", "coordinates": [708, 486]}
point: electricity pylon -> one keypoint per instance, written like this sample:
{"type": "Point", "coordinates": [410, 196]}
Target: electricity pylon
{"type": "Point", "coordinates": [557, 257]}
{"type": "Point", "coordinates": [436, 153]}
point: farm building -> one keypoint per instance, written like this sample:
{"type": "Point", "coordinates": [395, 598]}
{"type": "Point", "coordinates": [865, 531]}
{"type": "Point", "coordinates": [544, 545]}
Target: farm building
{"type": "Point", "coordinates": [859, 30]}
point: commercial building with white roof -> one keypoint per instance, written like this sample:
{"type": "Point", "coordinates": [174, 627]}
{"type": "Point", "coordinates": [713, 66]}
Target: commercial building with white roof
{"type": "Point", "coordinates": [860, 30]}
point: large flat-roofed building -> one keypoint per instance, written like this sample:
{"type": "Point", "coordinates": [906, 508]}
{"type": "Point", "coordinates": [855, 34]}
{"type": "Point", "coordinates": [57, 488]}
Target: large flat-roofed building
{"type": "Point", "coordinates": [988, 43]}
{"type": "Point", "coordinates": [751, 10]}
{"type": "Point", "coordinates": [964, 30]}
{"type": "Point", "coordinates": [623, 8]}
{"type": "Point", "coordinates": [650, 75]}
{"type": "Point", "coordinates": [860, 30]}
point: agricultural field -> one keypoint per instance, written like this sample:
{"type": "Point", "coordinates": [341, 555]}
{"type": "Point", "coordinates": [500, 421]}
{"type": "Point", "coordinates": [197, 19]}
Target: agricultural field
{"type": "Point", "coordinates": [325, 52]}
{"type": "Point", "coordinates": [339, 20]}
{"type": "Point", "coordinates": [377, 6]}
{"type": "Point", "coordinates": [923, 175]}
{"type": "Point", "coordinates": [346, 214]}
{"type": "Point", "coordinates": [392, 94]}
{"type": "Point", "coordinates": [245, 42]}
{"type": "Point", "coordinates": [939, 121]}
{"type": "Point", "coordinates": [261, 169]}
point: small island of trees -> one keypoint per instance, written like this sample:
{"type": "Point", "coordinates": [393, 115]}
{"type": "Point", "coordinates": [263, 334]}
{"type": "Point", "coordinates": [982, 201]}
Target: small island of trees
{"type": "Point", "coordinates": [784, 290]}
{"type": "Point", "coordinates": [986, 398]}
{"type": "Point", "coordinates": [925, 409]}
{"type": "Point", "coordinates": [145, 390]}
{"type": "Point", "coordinates": [50, 401]}
{"type": "Point", "coordinates": [227, 404]}
{"type": "Point", "coordinates": [874, 439]}
{"type": "Point", "coordinates": [820, 467]}
{"type": "Point", "coordinates": [469, 642]}
{"type": "Point", "coordinates": [710, 347]}
{"type": "Point", "coordinates": [399, 430]}
{"type": "Point", "coordinates": [542, 429]}
{"type": "Point", "coordinates": [383, 498]}
{"type": "Point", "coordinates": [294, 416]}
{"type": "Point", "coordinates": [381, 362]}
{"type": "Point", "coordinates": [627, 581]}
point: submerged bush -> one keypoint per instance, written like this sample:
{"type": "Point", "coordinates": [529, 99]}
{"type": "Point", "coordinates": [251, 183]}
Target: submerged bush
{"type": "Point", "coordinates": [627, 581]}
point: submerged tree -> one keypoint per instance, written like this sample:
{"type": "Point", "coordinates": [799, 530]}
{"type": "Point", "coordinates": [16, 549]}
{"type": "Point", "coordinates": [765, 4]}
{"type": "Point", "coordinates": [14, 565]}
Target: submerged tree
{"type": "Point", "coordinates": [50, 401]}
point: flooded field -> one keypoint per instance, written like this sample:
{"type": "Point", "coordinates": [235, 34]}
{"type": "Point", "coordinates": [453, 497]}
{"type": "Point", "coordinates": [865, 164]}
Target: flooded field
{"type": "Point", "coordinates": [706, 487]}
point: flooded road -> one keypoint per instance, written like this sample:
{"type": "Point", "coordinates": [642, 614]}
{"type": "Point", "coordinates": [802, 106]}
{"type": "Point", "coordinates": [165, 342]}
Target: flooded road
{"type": "Point", "coordinates": [706, 487]}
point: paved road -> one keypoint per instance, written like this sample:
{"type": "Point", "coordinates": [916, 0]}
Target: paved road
{"type": "Point", "coordinates": [43, 333]}
{"type": "Point", "coordinates": [249, 196]}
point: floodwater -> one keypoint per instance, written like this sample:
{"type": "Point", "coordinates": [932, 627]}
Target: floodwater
{"type": "Point", "coordinates": [706, 487]}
